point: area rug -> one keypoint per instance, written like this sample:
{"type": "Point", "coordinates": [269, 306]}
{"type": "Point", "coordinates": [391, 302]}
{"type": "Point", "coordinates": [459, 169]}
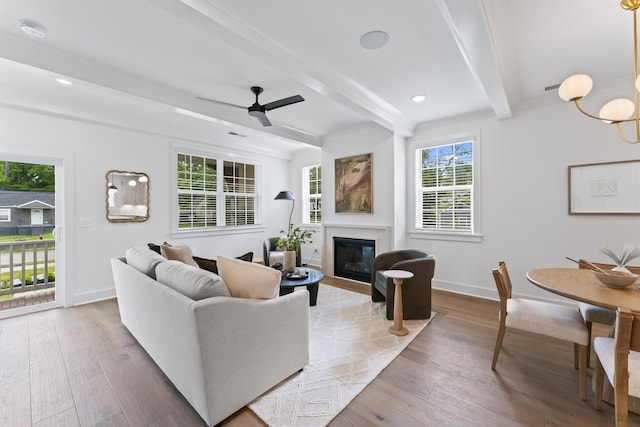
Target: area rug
{"type": "Point", "coordinates": [350, 345]}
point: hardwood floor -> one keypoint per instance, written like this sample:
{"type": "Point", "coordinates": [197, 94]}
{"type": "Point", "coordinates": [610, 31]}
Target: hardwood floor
{"type": "Point", "coordinates": [80, 367]}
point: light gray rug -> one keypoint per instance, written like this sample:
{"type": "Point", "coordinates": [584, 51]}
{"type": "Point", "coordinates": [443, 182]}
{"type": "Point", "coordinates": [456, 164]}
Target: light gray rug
{"type": "Point", "coordinates": [350, 345]}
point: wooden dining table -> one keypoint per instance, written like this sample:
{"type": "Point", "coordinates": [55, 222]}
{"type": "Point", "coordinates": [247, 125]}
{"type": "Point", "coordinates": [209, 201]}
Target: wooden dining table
{"type": "Point", "coordinates": [581, 285]}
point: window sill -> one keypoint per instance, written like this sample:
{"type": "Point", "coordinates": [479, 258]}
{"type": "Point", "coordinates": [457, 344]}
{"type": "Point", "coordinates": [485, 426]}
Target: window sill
{"type": "Point", "coordinates": [312, 226]}
{"type": "Point", "coordinates": [218, 231]}
{"type": "Point", "coordinates": [449, 236]}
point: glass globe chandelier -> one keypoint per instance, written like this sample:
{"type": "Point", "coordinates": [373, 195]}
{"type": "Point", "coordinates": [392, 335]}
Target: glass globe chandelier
{"type": "Point", "coordinates": [620, 110]}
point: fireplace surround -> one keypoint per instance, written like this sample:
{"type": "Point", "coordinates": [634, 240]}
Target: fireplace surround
{"type": "Point", "coordinates": [380, 234]}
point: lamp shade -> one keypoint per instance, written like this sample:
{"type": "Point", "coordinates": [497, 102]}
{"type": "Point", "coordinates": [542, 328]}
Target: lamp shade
{"type": "Point", "coordinates": [285, 195]}
{"type": "Point", "coordinates": [617, 110]}
{"type": "Point", "coordinates": [575, 87]}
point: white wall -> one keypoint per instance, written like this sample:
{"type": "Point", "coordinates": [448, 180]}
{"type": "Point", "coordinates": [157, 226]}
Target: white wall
{"type": "Point", "coordinates": [90, 150]}
{"type": "Point", "coordinates": [524, 200]}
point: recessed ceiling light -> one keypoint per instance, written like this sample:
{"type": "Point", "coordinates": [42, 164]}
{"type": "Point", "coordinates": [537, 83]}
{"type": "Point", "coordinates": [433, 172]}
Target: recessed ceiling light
{"type": "Point", "coordinates": [374, 40]}
{"type": "Point", "coordinates": [33, 29]}
{"type": "Point", "coordinates": [63, 81]}
{"type": "Point", "coordinates": [418, 98]}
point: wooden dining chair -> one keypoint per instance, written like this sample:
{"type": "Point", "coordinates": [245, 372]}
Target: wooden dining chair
{"type": "Point", "coordinates": [594, 314]}
{"type": "Point", "coordinates": [543, 318]}
{"type": "Point", "coordinates": [619, 358]}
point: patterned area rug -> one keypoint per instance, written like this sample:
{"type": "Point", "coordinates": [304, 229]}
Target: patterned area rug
{"type": "Point", "coordinates": [350, 345]}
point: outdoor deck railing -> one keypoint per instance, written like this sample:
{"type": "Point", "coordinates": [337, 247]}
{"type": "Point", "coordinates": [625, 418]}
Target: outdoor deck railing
{"type": "Point", "coordinates": [27, 266]}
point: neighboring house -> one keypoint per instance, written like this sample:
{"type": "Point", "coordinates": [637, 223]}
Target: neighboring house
{"type": "Point", "coordinates": [26, 213]}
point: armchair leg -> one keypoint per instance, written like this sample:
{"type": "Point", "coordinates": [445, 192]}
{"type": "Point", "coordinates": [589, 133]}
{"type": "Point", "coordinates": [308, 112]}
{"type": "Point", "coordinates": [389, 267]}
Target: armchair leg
{"type": "Point", "coordinates": [599, 383]}
{"type": "Point", "coordinates": [499, 339]}
{"type": "Point", "coordinates": [589, 326]}
{"type": "Point", "coordinates": [583, 371]}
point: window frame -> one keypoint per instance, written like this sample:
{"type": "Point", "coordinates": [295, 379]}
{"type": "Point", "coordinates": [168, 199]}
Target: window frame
{"type": "Point", "coordinates": [220, 193]}
{"type": "Point", "coordinates": [415, 150]}
{"type": "Point", "coordinates": [307, 196]}
{"type": "Point", "coordinates": [8, 211]}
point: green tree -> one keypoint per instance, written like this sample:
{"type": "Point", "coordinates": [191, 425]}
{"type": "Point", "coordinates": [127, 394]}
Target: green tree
{"type": "Point", "coordinates": [26, 177]}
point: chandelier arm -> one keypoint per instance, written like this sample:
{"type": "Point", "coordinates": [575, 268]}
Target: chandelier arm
{"type": "Point", "coordinates": [635, 72]}
{"type": "Point", "coordinates": [575, 101]}
{"type": "Point", "coordinates": [621, 135]}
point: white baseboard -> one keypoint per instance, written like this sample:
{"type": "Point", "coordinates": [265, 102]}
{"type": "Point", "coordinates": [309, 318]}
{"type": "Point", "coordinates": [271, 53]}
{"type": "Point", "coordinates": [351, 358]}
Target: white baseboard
{"type": "Point", "coordinates": [492, 294]}
{"type": "Point", "coordinates": [88, 297]}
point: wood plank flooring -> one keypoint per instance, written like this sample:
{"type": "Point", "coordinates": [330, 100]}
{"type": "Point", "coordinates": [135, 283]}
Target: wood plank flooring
{"type": "Point", "coordinates": [80, 367]}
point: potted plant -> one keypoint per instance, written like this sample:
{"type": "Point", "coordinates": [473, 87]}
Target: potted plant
{"type": "Point", "coordinates": [291, 244]}
{"type": "Point", "coordinates": [629, 252]}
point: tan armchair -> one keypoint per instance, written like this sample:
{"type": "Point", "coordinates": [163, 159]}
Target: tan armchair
{"type": "Point", "coordinates": [269, 245]}
{"type": "Point", "coordinates": [416, 292]}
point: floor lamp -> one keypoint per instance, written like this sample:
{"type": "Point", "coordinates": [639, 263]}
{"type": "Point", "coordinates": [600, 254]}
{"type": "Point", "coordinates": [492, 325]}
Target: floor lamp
{"type": "Point", "coordinates": [287, 195]}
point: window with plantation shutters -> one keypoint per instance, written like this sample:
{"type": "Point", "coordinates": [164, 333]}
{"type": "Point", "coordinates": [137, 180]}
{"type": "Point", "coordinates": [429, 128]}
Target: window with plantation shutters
{"type": "Point", "coordinates": [239, 193]}
{"type": "Point", "coordinates": [312, 195]}
{"type": "Point", "coordinates": [445, 189]}
{"type": "Point", "coordinates": [214, 192]}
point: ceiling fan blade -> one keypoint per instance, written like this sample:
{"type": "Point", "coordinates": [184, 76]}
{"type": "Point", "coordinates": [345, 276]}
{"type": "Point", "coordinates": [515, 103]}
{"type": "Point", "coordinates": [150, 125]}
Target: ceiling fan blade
{"type": "Point", "coordinates": [261, 116]}
{"type": "Point", "coordinates": [283, 102]}
{"type": "Point", "coordinates": [220, 102]}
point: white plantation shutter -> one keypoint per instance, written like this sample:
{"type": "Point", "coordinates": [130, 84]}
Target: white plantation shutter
{"type": "Point", "coordinates": [445, 189]}
{"type": "Point", "coordinates": [214, 192]}
{"type": "Point", "coordinates": [312, 195]}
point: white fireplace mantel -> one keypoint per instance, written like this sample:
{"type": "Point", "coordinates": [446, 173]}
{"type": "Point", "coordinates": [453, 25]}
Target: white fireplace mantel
{"type": "Point", "coordinates": [381, 234]}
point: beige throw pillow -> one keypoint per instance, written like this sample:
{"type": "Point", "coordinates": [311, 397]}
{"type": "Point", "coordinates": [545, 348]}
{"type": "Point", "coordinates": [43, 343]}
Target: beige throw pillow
{"type": "Point", "coordinates": [180, 253]}
{"type": "Point", "coordinates": [248, 279]}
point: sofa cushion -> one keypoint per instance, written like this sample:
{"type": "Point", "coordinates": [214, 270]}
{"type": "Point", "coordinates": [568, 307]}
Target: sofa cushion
{"type": "Point", "coordinates": [192, 282]}
{"type": "Point", "coordinates": [180, 253]}
{"type": "Point", "coordinates": [143, 260]}
{"type": "Point", "coordinates": [248, 279]}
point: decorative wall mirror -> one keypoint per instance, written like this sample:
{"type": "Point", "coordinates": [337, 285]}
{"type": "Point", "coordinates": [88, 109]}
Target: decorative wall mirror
{"type": "Point", "coordinates": [127, 196]}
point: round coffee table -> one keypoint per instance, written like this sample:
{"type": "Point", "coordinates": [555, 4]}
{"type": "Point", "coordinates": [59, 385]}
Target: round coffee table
{"type": "Point", "coordinates": [312, 282]}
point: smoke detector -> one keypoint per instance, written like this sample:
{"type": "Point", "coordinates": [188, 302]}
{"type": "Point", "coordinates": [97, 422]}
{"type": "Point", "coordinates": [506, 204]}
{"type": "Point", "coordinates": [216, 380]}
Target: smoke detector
{"type": "Point", "coordinates": [32, 29]}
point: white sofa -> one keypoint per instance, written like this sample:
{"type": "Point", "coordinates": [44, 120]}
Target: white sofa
{"type": "Point", "coordinates": [220, 352]}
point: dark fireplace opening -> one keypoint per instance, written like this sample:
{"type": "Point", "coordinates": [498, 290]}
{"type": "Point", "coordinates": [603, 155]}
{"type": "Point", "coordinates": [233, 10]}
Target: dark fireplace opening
{"type": "Point", "coordinates": [353, 258]}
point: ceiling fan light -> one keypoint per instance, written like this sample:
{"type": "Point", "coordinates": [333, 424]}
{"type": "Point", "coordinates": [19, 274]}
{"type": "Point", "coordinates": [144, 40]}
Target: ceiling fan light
{"type": "Point", "coordinates": [617, 110]}
{"type": "Point", "coordinates": [575, 87]}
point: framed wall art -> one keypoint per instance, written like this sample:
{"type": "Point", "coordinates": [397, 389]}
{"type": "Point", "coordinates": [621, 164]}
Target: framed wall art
{"type": "Point", "coordinates": [605, 188]}
{"type": "Point", "coordinates": [354, 184]}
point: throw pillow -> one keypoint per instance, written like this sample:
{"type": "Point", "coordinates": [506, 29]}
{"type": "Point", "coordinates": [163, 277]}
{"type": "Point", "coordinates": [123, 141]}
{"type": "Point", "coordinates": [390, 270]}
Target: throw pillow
{"type": "Point", "coordinates": [248, 279]}
{"type": "Point", "coordinates": [191, 282]}
{"type": "Point", "coordinates": [143, 260]}
{"type": "Point", "coordinates": [211, 264]}
{"type": "Point", "coordinates": [180, 253]}
{"type": "Point", "coordinates": [246, 257]}
{"type": "Point", "coordinates": [207, 264]}
{"type": "Point", "coordinates": [156, 247]}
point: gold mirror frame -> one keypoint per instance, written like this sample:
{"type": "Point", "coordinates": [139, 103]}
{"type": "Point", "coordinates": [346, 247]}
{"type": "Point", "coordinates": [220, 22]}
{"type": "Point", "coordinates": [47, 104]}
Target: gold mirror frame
{"type": "Point", "coordinates": [127, 196]}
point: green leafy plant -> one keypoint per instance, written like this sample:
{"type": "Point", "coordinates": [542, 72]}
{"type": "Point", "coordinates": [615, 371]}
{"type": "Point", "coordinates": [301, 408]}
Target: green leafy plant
{"type": "Point", "coordinates": [295, 239]}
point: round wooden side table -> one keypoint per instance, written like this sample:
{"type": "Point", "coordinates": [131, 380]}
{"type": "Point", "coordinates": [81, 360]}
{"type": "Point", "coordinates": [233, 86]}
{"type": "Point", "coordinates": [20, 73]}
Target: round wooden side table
{"type": "Point", "coordinates": [398, 277]}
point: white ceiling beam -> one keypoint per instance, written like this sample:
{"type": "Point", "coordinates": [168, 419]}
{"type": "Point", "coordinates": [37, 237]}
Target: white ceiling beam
{"type": "Point", "coordinates": [35, 54]}
{"type": "Point", "coordinates": [469, 27]}
{"type": "Point", "coordinates": [301, 66]}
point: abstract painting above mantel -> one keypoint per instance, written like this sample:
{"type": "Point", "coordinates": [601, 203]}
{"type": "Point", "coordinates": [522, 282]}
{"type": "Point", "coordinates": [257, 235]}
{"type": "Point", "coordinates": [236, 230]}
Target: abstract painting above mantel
{"type": "Point", "coordinates": [605, 188]}
{"type": "Point", "coordinates": [354, 184]}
